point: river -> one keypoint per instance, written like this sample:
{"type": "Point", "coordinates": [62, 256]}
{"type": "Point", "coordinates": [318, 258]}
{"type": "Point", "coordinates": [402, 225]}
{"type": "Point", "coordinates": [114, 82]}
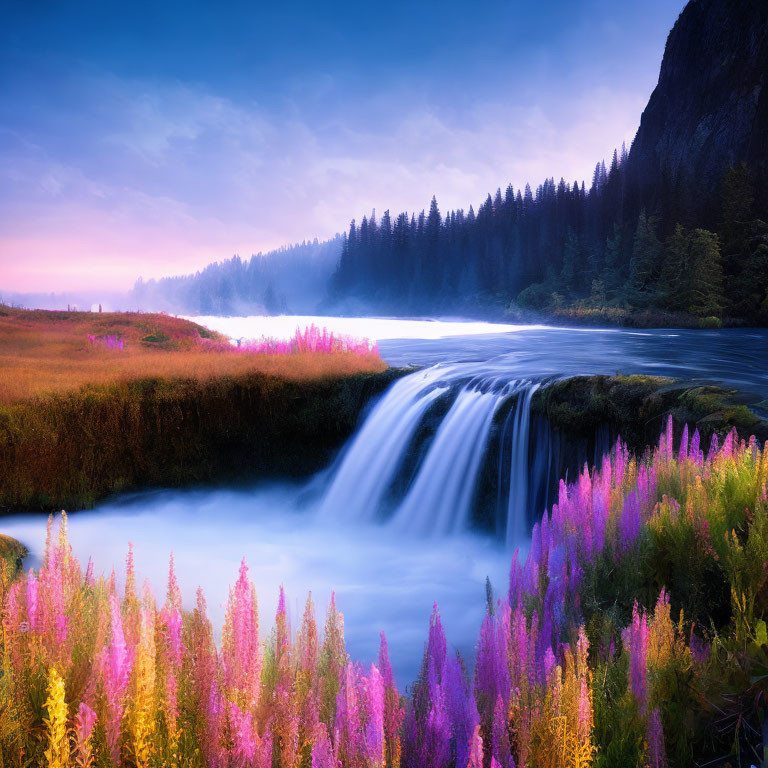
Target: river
{"type": "Point", "coordinates": [390, 556]}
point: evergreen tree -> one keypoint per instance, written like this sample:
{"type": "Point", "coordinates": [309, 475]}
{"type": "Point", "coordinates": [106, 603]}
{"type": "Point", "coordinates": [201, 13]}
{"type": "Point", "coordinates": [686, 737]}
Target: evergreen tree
{"type": "Point", "coordinates": [673, 284]}
{"type": "Point", "coordinates": [614, 257]}
{"type": "Point", "coordinates": [563, 238]}
{"type": "Point", "coordinates": [749, 289]}
{"type": "Point", "coordinates": [705, 275]}
{"type": "Point", "coordinates": [645, 264]}
{"type": "Point", "coordinates": [571, 250]}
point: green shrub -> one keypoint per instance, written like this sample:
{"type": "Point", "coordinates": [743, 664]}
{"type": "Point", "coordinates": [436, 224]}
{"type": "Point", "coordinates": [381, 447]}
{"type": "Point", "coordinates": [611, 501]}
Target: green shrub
{"type": "Point", "coordinates": [535, 296]}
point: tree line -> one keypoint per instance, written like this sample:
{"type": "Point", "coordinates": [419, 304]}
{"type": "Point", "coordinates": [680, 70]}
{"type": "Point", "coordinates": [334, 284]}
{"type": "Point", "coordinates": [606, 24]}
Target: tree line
{"type": "Point", "coordinates": [609, 246]}
{"type": "Point", "coordinates": [290, 279]}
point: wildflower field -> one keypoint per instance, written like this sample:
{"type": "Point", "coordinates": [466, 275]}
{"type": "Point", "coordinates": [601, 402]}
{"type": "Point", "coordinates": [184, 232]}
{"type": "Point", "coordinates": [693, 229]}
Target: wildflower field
{"type": "Point", "coordinates": [44, 352]}
{"type": "Point", "coordinates": [96, 403]}
{"type": "Point", "coordinates": [632, 634]}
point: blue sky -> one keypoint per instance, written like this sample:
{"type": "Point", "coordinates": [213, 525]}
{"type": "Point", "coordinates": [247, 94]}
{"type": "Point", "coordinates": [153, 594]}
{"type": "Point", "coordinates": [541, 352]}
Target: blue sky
{"type": "Point", "coordinates": [150, 138]}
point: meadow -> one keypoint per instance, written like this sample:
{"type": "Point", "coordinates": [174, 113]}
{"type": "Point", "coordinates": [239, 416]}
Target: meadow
{"type": "Point", "coordinates": [43, 352]}
{"type": "Point", "coordinates": [632, 634]}
{"type": "Point", "coordinates": [96, 403]}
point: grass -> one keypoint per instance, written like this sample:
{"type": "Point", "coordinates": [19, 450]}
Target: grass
{"type": "Point", "coordinates": [44, 352]}
{"type": "Point", "coordinates": [93, 404]}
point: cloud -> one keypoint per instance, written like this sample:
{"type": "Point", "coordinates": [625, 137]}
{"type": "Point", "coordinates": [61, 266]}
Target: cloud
{"type": "Point", "coordinates": [145, 177]}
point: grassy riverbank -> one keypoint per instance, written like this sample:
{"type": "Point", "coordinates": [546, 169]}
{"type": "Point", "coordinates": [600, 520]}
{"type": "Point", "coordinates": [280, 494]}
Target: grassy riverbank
{"type": "Point", "coordinates": [43, 352]}
{"type": "Point", "coordinates": [92, 404]}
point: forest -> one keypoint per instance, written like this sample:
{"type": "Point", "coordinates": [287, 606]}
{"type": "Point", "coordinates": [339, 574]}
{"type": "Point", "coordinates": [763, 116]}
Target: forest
{"type": "Point", "coordinates": [292, 278]}
{"type": "Point", "coordinates": [618, 252]}
{"type": "Point", "coordinates": [609, 248]}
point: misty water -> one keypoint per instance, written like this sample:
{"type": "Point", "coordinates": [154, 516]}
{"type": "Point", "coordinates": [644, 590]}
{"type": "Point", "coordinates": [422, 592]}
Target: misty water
{"type": "Point", "coordinates": [389, 559]}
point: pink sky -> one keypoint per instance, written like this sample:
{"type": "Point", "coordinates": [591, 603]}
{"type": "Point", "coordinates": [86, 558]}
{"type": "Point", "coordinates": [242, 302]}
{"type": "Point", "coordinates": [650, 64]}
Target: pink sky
{"type": "Point", "coordinates": [211, 179]}
{"type": "Point", "coordinates": [161, 141]}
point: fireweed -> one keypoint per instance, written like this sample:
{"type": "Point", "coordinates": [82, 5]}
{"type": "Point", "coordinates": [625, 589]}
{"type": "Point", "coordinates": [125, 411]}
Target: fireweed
{"type": "Point", "coordinates": [107, 342]}
{"type": "Point", "coordinates": [312, 339]}
{"type": "Point", "coordinates": [589, 659]}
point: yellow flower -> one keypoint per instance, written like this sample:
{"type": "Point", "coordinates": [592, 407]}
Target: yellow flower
{"type": "Point", "coordinates": [57, 754]}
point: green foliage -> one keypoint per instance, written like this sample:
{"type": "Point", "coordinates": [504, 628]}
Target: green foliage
{"type": "Point", "coordinates": [645, 263]}
{"type": "Point", "coordinates": [536, 296]}
{"type": "Point", "coordinates": [692, 279]}
{"type": "Point", "coordinates": [706, 275]}
{"type": "Point", "coordinates": [156, 337]}
{"type": "Point", "coordinates": [619, 733]}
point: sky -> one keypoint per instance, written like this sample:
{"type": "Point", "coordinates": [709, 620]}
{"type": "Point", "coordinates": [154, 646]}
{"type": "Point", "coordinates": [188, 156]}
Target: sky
{"type": "Point", "coordinates": [151, 138]}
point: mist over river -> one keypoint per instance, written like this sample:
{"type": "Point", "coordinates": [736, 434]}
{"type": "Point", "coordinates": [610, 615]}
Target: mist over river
{"type": "Point", "coordinates": [386, 575]}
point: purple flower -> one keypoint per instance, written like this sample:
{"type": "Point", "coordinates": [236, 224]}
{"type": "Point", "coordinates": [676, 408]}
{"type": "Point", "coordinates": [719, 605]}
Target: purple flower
{"type": "Point", "coordinates": [635, 636]}
{"type": "Point", "coordinates": [655, 737]}
{"type": "Point", "coordinates": [629, 523]}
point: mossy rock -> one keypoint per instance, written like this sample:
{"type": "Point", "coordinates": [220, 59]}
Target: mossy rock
{"type": "Point", "coordinates": [636, 407]}
{"type": "Point", "coordinates": [12, 551]}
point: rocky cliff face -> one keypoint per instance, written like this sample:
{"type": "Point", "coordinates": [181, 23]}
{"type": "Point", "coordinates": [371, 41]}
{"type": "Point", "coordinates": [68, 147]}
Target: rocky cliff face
{"type": "Point", "coordinates": [710, 107]}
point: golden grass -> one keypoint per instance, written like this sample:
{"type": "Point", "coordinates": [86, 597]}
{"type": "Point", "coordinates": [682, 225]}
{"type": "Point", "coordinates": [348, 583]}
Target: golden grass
{"type": "Point", "coordinates": [45, 352]}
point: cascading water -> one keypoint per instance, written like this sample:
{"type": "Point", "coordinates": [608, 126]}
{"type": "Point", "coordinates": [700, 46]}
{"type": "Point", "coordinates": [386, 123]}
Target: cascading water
{"type": "Point", "coordinates": [370, 464]}
{"type": "Point", "coordinates": [439, 500]}
{"type": "Point", "coordinates": [437, 495]}
{"type": "Point", "coordinates": [517, 507]}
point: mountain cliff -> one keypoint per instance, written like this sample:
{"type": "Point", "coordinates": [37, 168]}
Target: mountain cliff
{"type": "Point", "coordinates": [709, 110]}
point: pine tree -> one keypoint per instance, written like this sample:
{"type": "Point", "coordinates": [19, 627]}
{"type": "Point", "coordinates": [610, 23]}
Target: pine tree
{"type": "Point", "coordinates": [645, 264]}
{"type": "Point", "coordinates": [705, 294]}
{"type": "Point", "coordinates": [672, 285]}
{"type": "Point", "coordinates": [614, 258]}
{"type": "Point", "coordinates": [749, 289]}
{"type": "Point", "coordinates": [571, 251]}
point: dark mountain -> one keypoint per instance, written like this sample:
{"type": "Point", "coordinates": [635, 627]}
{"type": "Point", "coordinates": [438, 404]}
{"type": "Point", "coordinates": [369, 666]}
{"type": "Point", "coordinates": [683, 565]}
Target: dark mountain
{"type": "Point", "coordinates": [709, 110]}
{"type": "Point", "coordinates": [674, 231]}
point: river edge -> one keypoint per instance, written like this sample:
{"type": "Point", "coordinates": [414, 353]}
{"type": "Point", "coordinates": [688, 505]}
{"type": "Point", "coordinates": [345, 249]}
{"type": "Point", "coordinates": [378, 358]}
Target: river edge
{"type": "Point", "coordinates": [71, 451]}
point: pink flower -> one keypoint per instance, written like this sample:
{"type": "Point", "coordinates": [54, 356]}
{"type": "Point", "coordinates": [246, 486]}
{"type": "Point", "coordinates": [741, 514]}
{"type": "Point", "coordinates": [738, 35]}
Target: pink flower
{"type": "Point", "coordinates": [636, 638]}
{"type": "Point", "coordinates": [241, 652]}
{"type": "Point", "coordinates": [374, 728]}
{"type": "Point", "coordinates": [476, 750]}
{"type": "Point", "coordinates": [322, 752]}
{"type": "Point", "coordinates": [116, 670]}
{"type": "Point", "coordinates": [32, 601]}
{"type": "Point", "coordinates": [84, 724]}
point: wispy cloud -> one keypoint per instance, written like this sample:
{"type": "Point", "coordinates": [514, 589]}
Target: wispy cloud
{"type": "Point", "coordinates": [155, 177]}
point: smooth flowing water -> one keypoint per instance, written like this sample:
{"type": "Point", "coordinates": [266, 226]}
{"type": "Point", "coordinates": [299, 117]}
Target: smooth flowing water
{"type": "Point", "coordinates": [388, 525]}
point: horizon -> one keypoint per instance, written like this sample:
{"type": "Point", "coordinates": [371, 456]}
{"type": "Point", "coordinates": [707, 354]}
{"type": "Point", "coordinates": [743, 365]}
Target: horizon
{"type": "Point", "coordinates": [143, 142]}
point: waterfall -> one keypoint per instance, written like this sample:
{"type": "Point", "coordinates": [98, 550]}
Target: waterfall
{"type": "Point", "coordinates": [444, 492]}
{"type": "Point", "coordinates": [517, 508]}
{"type": "Point", "coordinates": [371, 463]}
{"type": "Point", "coordinates": [439, 501]}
